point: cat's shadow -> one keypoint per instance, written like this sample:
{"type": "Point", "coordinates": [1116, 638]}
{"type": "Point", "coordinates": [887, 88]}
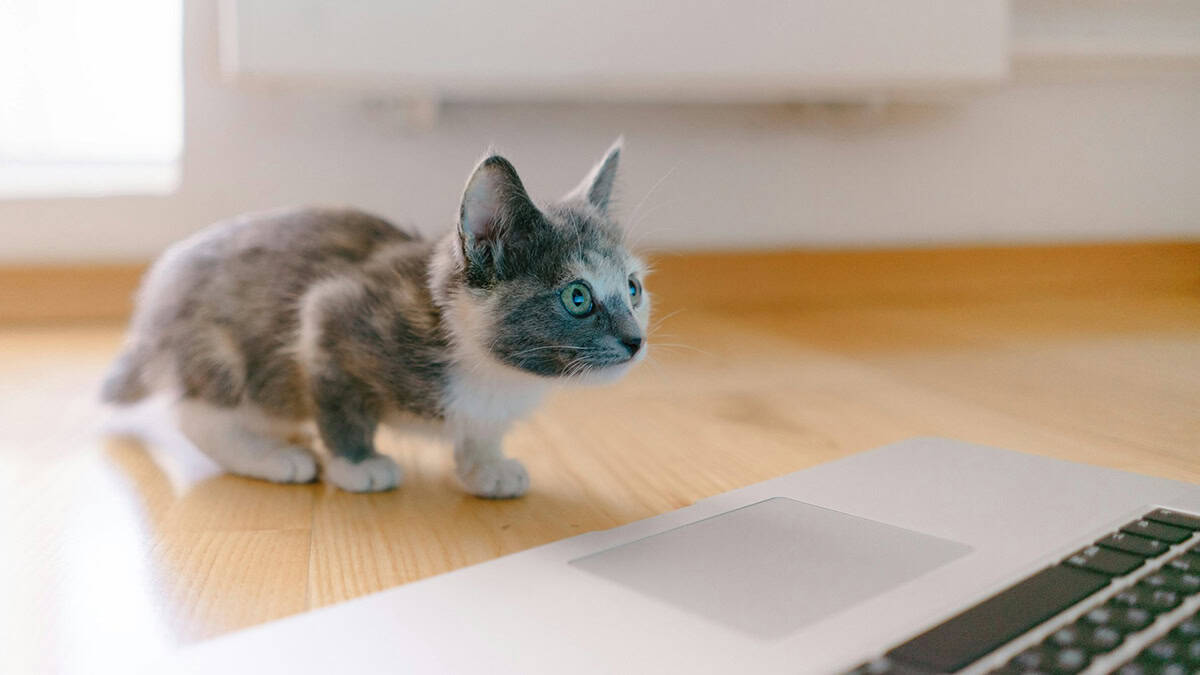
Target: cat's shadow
{"type": "Point", "coordinates": [424, 527]}
{"type": "Point", "coordinates": [174, 481]}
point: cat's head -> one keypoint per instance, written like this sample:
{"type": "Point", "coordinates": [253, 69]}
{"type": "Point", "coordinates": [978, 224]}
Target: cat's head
{"type": "Point", "coordinates": [551, 291]}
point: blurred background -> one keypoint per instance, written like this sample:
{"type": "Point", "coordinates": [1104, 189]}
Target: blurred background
{"type": "Point", "coordinates": [128, 124]}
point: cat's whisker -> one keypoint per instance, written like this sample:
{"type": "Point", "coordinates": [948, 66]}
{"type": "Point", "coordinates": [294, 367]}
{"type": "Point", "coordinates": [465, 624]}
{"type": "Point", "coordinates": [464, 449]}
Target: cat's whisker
{"type": "Point", "coordinates": [660, 228]}
{"type": "Point", "coordinates": [577, 367]}
{"type": "Point", "coordinates": [636, 224]}
{"type": "Point", "coordinates": [641, 235]}
{"type": "Point", "coordinates": [676, 345]}
{"type": "Point", "coordinates": [658, 322]}
{"type": "Point", "coordinates": [653, 362]}
{"type": "Point", "coordinates": [633, 216]}
{"type": "Point", "coordinates": [534, 349]}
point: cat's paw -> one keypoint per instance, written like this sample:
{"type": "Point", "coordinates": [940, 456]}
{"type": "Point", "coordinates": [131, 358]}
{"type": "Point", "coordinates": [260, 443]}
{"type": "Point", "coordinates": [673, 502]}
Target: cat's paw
{"type": "Point", "coordinates": [498, 479]}
{"type": "Point", "coordinates": [373, 474]}
{"type": "Point", "coordinates": [287, 464]}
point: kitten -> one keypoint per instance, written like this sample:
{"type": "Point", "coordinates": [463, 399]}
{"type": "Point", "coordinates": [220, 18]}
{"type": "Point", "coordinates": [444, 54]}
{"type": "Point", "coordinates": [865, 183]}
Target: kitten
{"type": "Point", "coordinates": [267, 323]}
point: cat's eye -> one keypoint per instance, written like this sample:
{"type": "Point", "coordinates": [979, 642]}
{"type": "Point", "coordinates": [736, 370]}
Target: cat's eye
{"type": "Point", "coordinates": [577, 298]}
{"type": "Point", "coordinates": [635, 291]}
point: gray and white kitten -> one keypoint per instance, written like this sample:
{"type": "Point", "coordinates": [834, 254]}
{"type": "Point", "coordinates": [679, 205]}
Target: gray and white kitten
{"type": "Point", "coordinates": [268, 323]}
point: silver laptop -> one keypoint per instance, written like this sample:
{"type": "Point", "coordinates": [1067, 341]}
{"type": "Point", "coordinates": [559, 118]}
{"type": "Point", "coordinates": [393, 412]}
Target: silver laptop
{"type": "Point", "coordinates": [926, 556]}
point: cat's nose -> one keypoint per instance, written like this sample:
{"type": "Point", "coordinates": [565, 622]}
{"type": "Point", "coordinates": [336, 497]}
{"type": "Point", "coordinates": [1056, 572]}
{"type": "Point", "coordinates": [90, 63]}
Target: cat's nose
{"type": "Point", "coordinates": [633, 344]}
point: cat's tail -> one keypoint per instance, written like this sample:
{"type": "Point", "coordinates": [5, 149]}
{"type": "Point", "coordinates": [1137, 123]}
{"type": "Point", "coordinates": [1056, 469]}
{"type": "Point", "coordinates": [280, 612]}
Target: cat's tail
{"type": "Point", "coordinates": [125, 383]}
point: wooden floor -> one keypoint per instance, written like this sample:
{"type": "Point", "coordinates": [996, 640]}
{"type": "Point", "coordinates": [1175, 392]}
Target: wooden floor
{"type": "Point", "coordinates": [117, 549]}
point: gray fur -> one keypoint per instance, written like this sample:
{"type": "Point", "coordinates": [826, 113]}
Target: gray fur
{"type": "Point", "coordinates": [221, 314]}
{"type": "Point", "coordinates": [233, 291]}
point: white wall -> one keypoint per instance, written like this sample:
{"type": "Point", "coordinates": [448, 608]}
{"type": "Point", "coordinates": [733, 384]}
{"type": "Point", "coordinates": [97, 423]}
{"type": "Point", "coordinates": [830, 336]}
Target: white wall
{"type": "Point", "coordinates": [1046, 158]}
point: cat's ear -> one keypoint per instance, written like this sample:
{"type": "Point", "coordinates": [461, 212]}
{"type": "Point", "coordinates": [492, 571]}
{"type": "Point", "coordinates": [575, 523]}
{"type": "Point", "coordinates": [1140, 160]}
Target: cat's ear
{"type": "Point", "coordinates": [596, 189]}
{"type": "Point", "coordinates": [495, 211]}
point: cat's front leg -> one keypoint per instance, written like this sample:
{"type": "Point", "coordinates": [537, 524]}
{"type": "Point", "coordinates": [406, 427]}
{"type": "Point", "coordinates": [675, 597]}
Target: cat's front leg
{"type": "Point", "coordinates": [483, 469]}
{"type": "Point", "coordinates": [347, 416]}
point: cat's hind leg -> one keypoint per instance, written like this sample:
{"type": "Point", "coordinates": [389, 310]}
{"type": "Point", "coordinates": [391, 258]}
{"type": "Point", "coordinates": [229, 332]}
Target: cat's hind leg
{"type": "Point", "coordinates": [245, 442]}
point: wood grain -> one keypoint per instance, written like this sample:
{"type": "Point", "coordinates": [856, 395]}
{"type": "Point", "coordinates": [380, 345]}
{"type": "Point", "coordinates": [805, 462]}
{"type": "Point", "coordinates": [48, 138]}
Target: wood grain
{"type": "Point", "coordinates": [839, 277]}
{"type": "Point", "coordinates": [117, 546]}
{"type": "Point", "coordinates": [38, 293]}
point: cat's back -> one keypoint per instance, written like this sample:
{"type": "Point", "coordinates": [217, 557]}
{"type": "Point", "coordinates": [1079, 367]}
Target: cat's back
{"type": "Point", "coordinates": [229, 295]}
{"type": "Point", "coordinates": [265, 257]}
{"type": "Point", "coordinates": [319, 234]}
{"type": "Point", "coordinates": [249, 272]}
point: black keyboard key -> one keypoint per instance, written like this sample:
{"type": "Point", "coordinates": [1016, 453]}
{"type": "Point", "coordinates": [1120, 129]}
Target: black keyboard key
{"type": "Point", "coordinates": [1128, 619]}
{"type": "Point", "coordinates": [1103, 639]}
{"type": "Point", "coordinates": [1147, 597]}
{"type": "Point", "coordinates": [1094, 638]}
{"type": "Point", "coordinates": [1169, 517]}
{"type": "Point", "coordinates": [1188, 630]}
{"type": "Point", "coordinates": [1173, 580]}
{"type": "Point", "coordinates": [1069, 661]}
{"type": "Point", "coordinates": [1188, 563]}
{"type": "Point", "coordinates": [887, 667]}
{"type": "Point", "coordinates": [1171, 655]}
{"type": "Point", "coordinates": [1051, 659]}
{"type": "Point", "coordinates": [1106, 561]}
{"type": "Point", "coordinates": [1163, 651]}
{"type": "Point", "coordinates": [1099, 616]}
{"type": "Point", "coordinates": [1132, 543]}
{"type": "Point", "coordinates": [981, 629]}
{"type": "Point", "coordinates": [1164, 601]}
{"type": "Point", "coordinates": [1192, 652]}
{"type": "Point", "coordinates": [1187, 583]}
{"type": "Point", "coordinates": [1067, 636]}
{"type": "Point", "coordinates": [1153, 530]}
{"type": "Point", "coordinates": [1034, 658]}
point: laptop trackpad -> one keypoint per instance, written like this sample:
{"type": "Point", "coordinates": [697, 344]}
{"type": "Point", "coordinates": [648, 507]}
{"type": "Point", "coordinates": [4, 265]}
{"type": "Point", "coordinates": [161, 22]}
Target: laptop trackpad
{"type": "Point", "coordinates": [772, 567]}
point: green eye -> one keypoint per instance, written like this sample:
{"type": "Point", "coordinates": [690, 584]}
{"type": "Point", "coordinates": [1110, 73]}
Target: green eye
{"type": "Point", "coordinates": [577, 298]}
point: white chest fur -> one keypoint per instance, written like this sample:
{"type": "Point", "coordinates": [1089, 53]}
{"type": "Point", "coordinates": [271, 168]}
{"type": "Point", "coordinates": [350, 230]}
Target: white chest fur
{"type": "Point", "coordinates": [490, 397]}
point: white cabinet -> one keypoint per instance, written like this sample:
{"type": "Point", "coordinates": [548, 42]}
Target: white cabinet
{"type": "Point", "coordinates": [667, 50]}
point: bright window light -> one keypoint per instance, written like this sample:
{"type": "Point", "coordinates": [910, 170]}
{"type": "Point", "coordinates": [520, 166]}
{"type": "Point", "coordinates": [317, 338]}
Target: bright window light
{"type": "Point", "coordinates": [91, 97]}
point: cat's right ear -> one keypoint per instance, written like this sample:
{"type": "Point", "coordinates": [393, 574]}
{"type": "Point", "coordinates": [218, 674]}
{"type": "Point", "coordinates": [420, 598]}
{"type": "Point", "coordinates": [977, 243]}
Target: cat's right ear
{"type": "Point", "coordinates": [495, 212]}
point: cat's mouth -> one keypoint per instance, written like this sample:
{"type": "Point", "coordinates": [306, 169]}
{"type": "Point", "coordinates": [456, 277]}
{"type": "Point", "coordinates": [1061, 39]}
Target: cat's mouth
{"type": "Point", "coordinates": [603, 368]}
{"type": "Point", "coordinates": [611, 359]}
{"type": "Point", "coordinates": [603, 364]}
{"type": "Point", "coordinates": [613, 363]}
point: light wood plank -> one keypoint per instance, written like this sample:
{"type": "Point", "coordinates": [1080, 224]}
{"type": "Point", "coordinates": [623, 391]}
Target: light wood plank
{"type": "Point", "coordinates": [115, 546]}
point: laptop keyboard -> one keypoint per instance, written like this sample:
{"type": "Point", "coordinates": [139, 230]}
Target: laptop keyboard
{"type": "Point", "coordinates": [1149, 626]}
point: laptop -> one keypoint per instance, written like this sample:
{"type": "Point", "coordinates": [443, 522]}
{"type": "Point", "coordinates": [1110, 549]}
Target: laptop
{"type": "Point", "coordinates": [925, 556]}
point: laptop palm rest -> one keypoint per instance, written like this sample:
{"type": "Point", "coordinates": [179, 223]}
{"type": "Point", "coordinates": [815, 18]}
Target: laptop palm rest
{"type": "Point", "coordinates": [773, 567]}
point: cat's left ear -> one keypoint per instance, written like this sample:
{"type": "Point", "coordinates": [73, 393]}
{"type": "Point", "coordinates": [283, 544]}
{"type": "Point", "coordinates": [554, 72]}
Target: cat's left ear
{"type": "Point", "coordinates": [596, 189]}
{"type": "Point", "coordinates": [495, 214]}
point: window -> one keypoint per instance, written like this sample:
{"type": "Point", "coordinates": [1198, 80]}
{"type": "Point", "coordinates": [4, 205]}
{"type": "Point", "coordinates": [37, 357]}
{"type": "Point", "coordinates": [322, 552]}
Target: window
{"type": "Point", "coordinates": [91, 97]}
